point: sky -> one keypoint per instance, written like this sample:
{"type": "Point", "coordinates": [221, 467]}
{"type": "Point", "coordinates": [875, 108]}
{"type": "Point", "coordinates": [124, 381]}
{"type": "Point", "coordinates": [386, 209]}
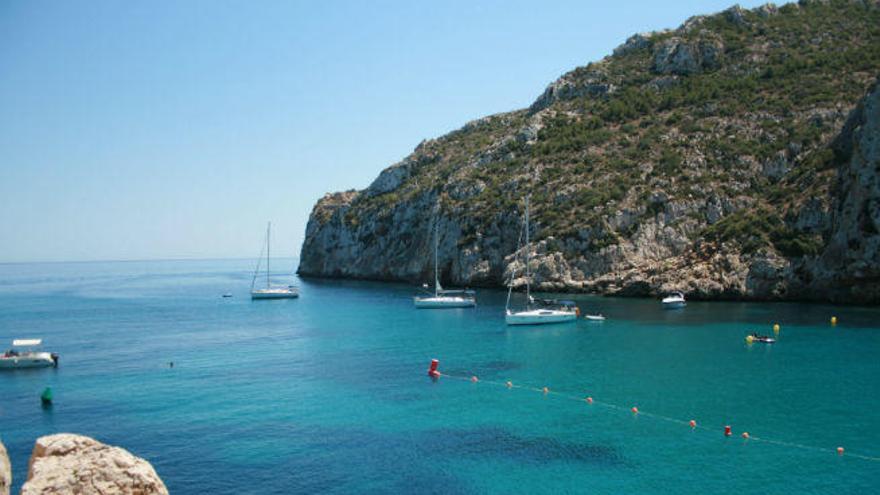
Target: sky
{"type": "Point", "coordinates": [168, 130]}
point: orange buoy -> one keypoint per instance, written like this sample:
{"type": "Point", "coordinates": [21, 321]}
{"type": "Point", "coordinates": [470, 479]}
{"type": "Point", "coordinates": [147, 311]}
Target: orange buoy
{"type": "Point", "coordinates": [509, 384]}
{"type": "Point", "coordinates": [432, 371]}
{"type": "Point", "coordinates": [546, 390]}
{"type": "Point", "coordinates": [635, 410]}
{"type": "Point", "coordinates": [589, 400]}
{"type": "Point", "coordinates": [727, 431]}
{"type": "Point", "coordinates": [693, 423]}
{"type": "Point", "coordinates": [840, 450]}
{"type": "Point", "coordinates": [745, 435]}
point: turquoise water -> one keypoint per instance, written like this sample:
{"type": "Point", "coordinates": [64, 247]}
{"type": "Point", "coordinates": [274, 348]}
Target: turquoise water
{"type": "Point", "coordinates": [328, 393]}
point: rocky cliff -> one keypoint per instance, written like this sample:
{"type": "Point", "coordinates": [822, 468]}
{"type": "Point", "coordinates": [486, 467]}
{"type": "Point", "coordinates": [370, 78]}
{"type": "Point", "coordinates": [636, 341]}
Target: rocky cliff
{"type": "Point", "coordinates": [733, 157]}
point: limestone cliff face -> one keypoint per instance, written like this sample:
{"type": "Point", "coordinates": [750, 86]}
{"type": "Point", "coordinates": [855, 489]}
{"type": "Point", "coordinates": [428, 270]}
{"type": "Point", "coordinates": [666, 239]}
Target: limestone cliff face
{"type": "Point", "coordinates": [66, 463]}
{"type": "Point", "coordinates": [733, 157]}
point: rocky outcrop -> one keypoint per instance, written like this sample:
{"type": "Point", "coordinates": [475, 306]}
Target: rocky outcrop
{"type": "Point", "coordinates": [67, 463]}
{"type": "Point", "coordinates": [677, 56]}
{"type": "Point", "coordinates": [673, 164]}
{"type": "Point", "coordinates": [5, 471]}
{"type": "Point", "coordinates": [850, 264]}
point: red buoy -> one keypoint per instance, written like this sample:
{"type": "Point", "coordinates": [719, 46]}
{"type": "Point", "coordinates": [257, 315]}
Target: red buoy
{"type": "Point", "coordinates": [432, 371]}
{"type": "Point", "coordinates": [474, 379]}
{"type": "Point", "coordinates": [589, 400]}
{"type": "Point", "coordinates": [693, 423]}
{"type": "Point", "coordinates": [840, 450]}
{"type": "Point", "coordinates": [635, 410]}
{"type": "Point", "coordinates": [727, 431]}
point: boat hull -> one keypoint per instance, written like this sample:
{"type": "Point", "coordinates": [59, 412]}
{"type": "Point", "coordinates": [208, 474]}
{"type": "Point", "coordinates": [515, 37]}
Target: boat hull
{"type": "Point", "coordinates": [275, 294]}
{"type": "Point", "coordinates": [673, 304]}
{"type": "Point", "coordinates": [443, 302]}
{"type": "Point", "coordinates": [37, 360]}
{"type": "Point", "coordinates": [539, 317]}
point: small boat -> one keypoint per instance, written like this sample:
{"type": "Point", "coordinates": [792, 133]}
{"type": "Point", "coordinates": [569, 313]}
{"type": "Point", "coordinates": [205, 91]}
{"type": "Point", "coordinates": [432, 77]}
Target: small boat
{"type": "Point", "coordinates": [552, 311]}
{"type": "Point", "coordinates": [288, 292]}
{"type": "Point", "coordinates": [227, 295]}
{"type": "Point", "coordinates": [596, 317]}
{"type": "Point", "coordinates": [761, 339]}
{"type": "Point", "coordinates": [29, 355]}
{"type": "Point", "coordinates": [443, 298]}
{"type": "Point", "coordinates": [674, 300]}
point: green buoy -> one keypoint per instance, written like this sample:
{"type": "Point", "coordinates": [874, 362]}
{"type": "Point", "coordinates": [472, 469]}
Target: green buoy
{"type": "Point", "coordinates": [46, 397]}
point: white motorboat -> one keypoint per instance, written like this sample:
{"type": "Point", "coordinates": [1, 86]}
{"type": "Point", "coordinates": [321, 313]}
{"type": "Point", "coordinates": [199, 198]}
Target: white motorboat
{"type": "Point", "coordinates": [552, 311]}
{"type": "Point", "coordinates": [26, 353]}
{"type": "Point", "coordinates": [444, 298]}
{"type": "Point", "coordinates": [674, 300]}
{"type": "Point", "coordinates": [596, 317]}
{"type": "Point", "coordinates": [270, 292]}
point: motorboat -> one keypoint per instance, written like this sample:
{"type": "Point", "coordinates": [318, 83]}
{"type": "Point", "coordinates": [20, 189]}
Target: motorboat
{"type": "Point", "coordinates": [674, 300]}
{"type": "Point", "coordinates": [595, 317]}
{"type": "Point", "coordinates": [443, 298]}
{"type": "Point", "coordinates": [548, 311]}
{"type": "Point", "coordinates": [26, 353]}
{"type": "Point", "coordinates": [761, 339]}
{"type": "Point", "coordinates": [270, 292]}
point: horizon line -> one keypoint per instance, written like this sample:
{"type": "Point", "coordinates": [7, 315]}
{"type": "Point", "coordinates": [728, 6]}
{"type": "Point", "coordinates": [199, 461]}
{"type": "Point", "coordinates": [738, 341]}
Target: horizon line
{"type": "Point", "coordinates": [137, 260]}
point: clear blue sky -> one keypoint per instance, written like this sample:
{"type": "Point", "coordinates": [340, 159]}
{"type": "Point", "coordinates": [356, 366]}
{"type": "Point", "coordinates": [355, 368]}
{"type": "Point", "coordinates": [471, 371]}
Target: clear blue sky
{"type": "Point", "coordinates": [166, 129]}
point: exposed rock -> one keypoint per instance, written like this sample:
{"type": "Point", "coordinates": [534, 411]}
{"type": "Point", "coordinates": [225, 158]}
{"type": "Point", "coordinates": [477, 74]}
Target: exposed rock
{"type": "Point", "coordinates": [67, 463]}
{"type": "Point", "coordinates": [766, 10]}
{"type": "Point", "coordinates": [5, 471]}
{"type": "Point", "coordinates": [677, 56]}
{"type": "Point", "coordinates": [592, 82]}
{"type": "Point", "coordinates": [851, 261]}
{"type": "Point", "coordinates": [635, 42]}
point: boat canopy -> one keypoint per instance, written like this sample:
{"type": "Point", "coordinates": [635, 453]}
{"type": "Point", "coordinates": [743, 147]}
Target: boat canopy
{"type": "Point", "coordinates": [26, 342]}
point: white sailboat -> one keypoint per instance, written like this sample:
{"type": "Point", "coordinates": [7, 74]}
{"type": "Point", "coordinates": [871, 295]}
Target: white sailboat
{"type": "Point", "coordinates": [550, 311]}
{"type": "Point", "coordinates": [270, 292]}
{"type": "Point", "coordinates": [444, 298]}
{"type": "Point", "coordinates": [674, 300]}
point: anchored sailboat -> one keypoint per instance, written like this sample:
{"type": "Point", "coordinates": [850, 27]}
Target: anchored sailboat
{"type": "Point", "coordinates": [443, 298]}
{"type": "Point", "coordinates": [537, 311]}
{"type": "Point", "coordinates": [270, 292]}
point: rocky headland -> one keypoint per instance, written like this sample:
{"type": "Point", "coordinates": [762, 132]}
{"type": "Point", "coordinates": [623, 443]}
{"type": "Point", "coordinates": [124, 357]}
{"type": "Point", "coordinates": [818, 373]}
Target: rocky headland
{"type": "Point", "coordinates": [735, 157]}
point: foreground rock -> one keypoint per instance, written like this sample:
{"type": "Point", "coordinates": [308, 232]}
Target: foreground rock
{"type": "Point", "coordinates": [5, 471]}
{"type": "Point", "coordinates": [67, 463]}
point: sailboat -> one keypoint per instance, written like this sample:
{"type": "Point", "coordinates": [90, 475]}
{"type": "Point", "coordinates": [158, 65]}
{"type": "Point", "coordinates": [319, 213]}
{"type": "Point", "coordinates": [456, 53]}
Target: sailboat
{"type": "Point", "coordinates": [537, 312]}
{"type": "Point", "coordinates": [270, 292]}
{"type": "Point", "coordinates": [443, 298]}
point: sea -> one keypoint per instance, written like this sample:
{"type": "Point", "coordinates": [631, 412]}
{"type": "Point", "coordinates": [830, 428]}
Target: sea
{"type": "Point", "coordinates": [329, 393]}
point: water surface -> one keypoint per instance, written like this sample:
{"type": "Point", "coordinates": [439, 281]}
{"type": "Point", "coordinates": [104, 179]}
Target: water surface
{"type": "Point", "coordinates": [328, 393]}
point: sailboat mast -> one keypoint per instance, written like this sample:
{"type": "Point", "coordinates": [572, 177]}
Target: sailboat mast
{"type": "Point", "coordinates": [268, 244]}
{"type": "Point", "coordinates": [528, 253]}
{"type": "Point", "coordinates": [436, 267]}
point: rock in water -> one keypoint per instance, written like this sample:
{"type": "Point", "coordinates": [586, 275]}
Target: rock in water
{"type": "Point", "coordinates": [67, 463]}
{"type": "Point", "coordinates": [5, 471]}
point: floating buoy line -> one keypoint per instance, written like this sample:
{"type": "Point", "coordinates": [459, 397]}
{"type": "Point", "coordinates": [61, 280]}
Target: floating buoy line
{"type": "Point", "coordinates": [727, 430]}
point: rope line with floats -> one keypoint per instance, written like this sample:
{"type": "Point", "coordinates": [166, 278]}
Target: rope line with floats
{"type": "Point", "coordinates": [435, 374]}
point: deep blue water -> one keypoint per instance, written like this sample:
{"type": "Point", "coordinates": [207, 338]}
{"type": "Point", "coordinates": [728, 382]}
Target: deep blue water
{"type": "Point", "coordinates": [328, 393]}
